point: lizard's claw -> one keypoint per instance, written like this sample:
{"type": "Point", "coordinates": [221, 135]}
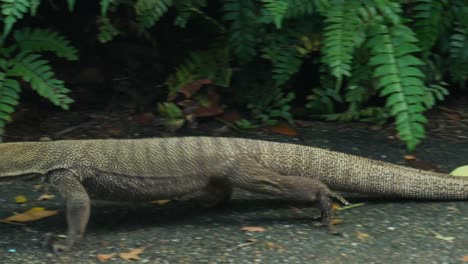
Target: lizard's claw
{"type": "Point", "coordinates": [59, 248]}
{"type": "Point", "coordinates": [50, 241]}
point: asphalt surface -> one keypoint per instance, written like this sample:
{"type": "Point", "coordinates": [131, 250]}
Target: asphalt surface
{"type": "Point", "coordinates": [380, 231]}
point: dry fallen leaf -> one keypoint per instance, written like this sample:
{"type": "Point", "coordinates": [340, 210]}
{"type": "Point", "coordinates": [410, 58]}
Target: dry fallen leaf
{"type": "Point", "coordinates": [32, 214]}
{"type": "Point", "coordinates": [409, 157]}
{"type": "Point", "coordinates": [21, 199]}
{"type": "Point", "coordinates": [337, 221]}
{"type": "Point", "coordinates": [284, 129]}
{"type": "Point", "coordinates": [454, 116]}
{"type": "Point", "coordinates": [132, 255]}
{"type": "Point", "coordinates": [160, 202]}
{"type": "Point", "coordinates": [249, 242]}
{"type": "Point", "coordinates": [253, 229]}
{"type": "Point", "coordinates": [465, 258]}
{"type": "Point", "coordinates": [191, 88]}
{"type": "Point", "coordinates": [105, 257]}
{"type": "Point", "coordinates": [273, 246]}
{"type": "Point", "coordinates": [45, 196]}
{"type": "Point", "coordinates": [145, 118]}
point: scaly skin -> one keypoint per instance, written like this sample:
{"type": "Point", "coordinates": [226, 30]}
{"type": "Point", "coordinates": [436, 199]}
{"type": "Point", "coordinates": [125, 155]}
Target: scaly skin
{"type": "Point", "coordinates": [164, 168]}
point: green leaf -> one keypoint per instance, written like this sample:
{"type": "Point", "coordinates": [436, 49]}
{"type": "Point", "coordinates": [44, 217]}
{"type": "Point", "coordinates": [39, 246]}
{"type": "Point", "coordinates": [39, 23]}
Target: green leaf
{"type": "Point", "coordinates": [35, 70]}
{"type": "Point", "coordinates": [38, 40]}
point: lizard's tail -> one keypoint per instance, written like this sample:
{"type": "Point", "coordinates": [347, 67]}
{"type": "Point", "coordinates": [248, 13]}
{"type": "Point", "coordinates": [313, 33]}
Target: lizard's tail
{"type": "Point", "coordinates": [358, 174]}
{"type": "Point", "coordinates": [344, 172]}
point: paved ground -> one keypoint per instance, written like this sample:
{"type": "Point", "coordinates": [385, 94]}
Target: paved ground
{"type": "Point", "coordinates": [381, 231]}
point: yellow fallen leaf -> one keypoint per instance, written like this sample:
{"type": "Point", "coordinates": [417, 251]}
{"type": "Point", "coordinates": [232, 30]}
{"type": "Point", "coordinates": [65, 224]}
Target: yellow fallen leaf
{"type": "Point", "coordinates": [253, 229]}
{"type": "Point", "coordinates": [362, 236]}
{"type": "Point", "coordinates": [105, 257]}
{"type": "Point", "coordinates": [45, 196]}
{"type": "Point", "coordinates": [441, 237]}
{"type": "Point", "coordinates": [337, 221]}
{"type": "Point", "coordinates": [21, 199]}
{"type": "Point", "coordinates": [460, 171]}
{"type": "Point", "coordinates": [465, 258]}
{"type": "Point", "coordinates": [32, 214]}
{"type": "Point", "coordinates": [336, 206]}
{"type": "Point", "coordinates": [132, 255]}
{"type": "Point", "coordinates": [160, 202]}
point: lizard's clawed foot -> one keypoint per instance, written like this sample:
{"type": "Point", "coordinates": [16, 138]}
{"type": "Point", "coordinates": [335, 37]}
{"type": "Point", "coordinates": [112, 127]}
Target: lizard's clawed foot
{"type": "Point", "coordinates": [51, 241]}
{"type": "Point", "coordinates": [59, 248]}
{"type": "Point", "coordinates": [333, 230]}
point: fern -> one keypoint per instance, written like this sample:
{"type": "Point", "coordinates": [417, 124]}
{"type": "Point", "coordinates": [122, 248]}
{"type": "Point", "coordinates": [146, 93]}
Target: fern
{"type": "Point", "coordinates": [12, 10]}
{"type": "Point", "coordinates": [297, 8]}
{"type": "Point", "coordinates": [38, 40]}
{"type": "Point", "coordinates": [399, 79]}
{"type": "Point", "coordinates": [105, 4]}
{"type": "Point", "coordinates": [212, 65]}
{"type": "Point", "coordinates": [284, 56]}
{"type": "Point", "coordinates": [71, 5]}
{"type": "Point", "coordinates": [390, 10]}
{"type": "Point", "coordinates": [428, 22]}
{"type": "Point", "coordinates": [242, 32]}
{"type": "Point", "coordinates": [107, 31]}
{"type": "Point", "coordinates": [274, 10]}
{"type": "Point", "coordinates": [35, 70]}
{"type": "Point", "coordinates": [9, 94]}
{"type": "Point", "coordinates": [34, 5]}
{"type": "Point", "coordinates": [273, 107]}
{"type": "Point", "coordinates": [434, 93]}
{"type": "Point", "coordinates": [343, 34]}
{"type": "Point", "coordinates": [188, 8]}
{"type": "Point", "coordinates": [459, 54]}
{"type": "Point", "coordinates": [150, 11]}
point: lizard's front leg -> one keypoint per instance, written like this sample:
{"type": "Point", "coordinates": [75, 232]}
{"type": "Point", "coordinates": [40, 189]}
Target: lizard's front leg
{"type": "Point", "coordinates": [78, 206]}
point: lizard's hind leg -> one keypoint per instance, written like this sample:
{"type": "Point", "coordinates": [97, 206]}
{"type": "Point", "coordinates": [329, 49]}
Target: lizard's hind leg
{"type": "Point", "coordinates": [252, 176]}
{"type": "Point", "coordinates": [216, 194]}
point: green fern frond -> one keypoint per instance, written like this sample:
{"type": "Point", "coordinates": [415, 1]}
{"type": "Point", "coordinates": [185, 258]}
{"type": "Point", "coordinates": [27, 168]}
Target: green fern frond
{"type": "Point", "coordinates": [107, 31]}
{"type": "Point", "coordinates": [274, 10]}
{"type": "Point", "coordinates": [186, 9]}
{"type": "Point", "coordinates": [434, 93]}
{"type": "Point", "coordinates": [390, 9]}
{"type": "Point", "coordinates": [297, 8]}
{"type": "Point", "coordinates": [105, 4]}
{"type": "Point", "coordinates": [428, 22]}
{"type": "Point", "coordinates": [35, 70]}
{"type": "Point", "coordinates": [286, 60]}
{"type": "Point", "coordinates": [242, 32]}
{"type": "Point", "coordinates": [459, 54]}
{"type": "Point", "coordinates": [399, 79]}
{"type": "Point", "coordinates": [9, 95]}
{"type": "Point", "coordinates": [150, 11]}
{"type": "Point", "coordinates": [71, 5]}
{"type": "Point", "coordinates": [12, 10]}
{"type": "Point", "coordinates": [34, 40]}
{"type": "Point", "coordinates": [212, 65]}
{"type": "Point", "coordinates": [34, 5]}
{"type": "Point", "coordinates": [343, 33]}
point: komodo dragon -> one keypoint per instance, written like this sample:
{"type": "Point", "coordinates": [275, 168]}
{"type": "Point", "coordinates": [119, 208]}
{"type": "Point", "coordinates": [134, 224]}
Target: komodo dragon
{"type": "Point", "coordinates": [165, 168]}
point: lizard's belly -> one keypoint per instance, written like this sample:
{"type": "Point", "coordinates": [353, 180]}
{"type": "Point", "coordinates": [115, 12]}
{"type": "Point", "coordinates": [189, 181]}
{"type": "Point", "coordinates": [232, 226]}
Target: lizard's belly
{"type": "Point", "coordinates": [114, 187]}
